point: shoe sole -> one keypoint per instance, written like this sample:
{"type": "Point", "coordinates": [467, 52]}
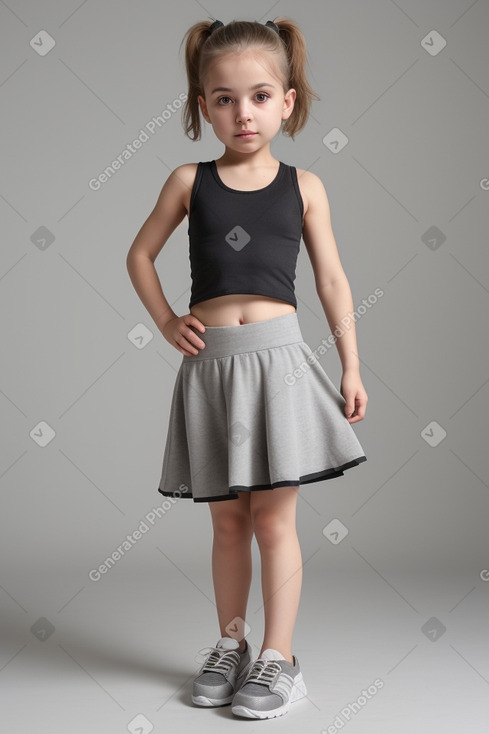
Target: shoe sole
{"type": "Point", "coordinates": [298, 691]}
{"type": "Point", "coordinates": [205, 701]}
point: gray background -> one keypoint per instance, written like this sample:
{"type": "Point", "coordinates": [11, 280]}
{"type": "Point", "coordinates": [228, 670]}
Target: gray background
{"type": "Point", "coordinates": [95, 655]}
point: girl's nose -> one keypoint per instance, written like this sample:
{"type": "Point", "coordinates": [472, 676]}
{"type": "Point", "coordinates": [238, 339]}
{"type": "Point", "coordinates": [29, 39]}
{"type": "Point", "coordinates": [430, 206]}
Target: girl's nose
{"type": "Point", "coordinates": [243, 113]}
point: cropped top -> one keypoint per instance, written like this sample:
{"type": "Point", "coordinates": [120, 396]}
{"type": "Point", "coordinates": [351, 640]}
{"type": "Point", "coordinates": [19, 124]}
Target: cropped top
{"type": "Point", "coordinates": [244, 241]}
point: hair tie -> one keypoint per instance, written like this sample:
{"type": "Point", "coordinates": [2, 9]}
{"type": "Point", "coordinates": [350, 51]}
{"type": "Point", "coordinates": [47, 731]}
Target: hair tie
{"type": "Point", "coordinates": [273, 25]}
{"type": "Point", "coordinates": [215, 25]}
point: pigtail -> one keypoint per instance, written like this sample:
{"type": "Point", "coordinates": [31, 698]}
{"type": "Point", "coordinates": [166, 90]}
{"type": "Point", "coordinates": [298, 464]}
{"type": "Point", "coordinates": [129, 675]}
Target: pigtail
{"type": "Point", "coordinates": [196, 36]}
{"type": "Point", "coordinates": [295, 46]}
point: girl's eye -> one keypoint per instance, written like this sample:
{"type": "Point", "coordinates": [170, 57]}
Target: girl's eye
{"type": "Point", "coordinates": [259, 94]}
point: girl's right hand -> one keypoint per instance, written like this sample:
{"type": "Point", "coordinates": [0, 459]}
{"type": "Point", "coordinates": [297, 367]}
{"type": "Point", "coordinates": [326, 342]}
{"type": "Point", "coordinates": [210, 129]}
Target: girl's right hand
{"type": "Point", "coordinates": [178, 333]}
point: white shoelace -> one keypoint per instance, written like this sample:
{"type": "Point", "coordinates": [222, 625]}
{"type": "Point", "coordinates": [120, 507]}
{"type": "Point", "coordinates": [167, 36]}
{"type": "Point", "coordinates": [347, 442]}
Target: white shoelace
{"type": "Point", "coordinates": [263, 671]}
{"type": "Point", "coordinates": [220, 661]}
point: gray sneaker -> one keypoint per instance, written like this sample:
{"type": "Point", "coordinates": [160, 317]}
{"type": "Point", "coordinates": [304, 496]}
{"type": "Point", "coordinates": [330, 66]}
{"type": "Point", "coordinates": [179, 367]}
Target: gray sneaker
{"type": "Point", "coordinates": [221, 674]}
{"type": "Point", "coordinates": [270, 686]}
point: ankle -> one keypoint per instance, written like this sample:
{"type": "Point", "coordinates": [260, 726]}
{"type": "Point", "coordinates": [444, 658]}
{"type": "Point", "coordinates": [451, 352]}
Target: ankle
{"type": "Point", "coordinates": [287, 655]}
{"type": "Point", "coordinates": [242, 644]}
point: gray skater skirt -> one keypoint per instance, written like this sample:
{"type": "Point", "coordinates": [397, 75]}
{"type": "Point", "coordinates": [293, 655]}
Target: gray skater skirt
{"type": "Point", "coordinates": [254, 409]}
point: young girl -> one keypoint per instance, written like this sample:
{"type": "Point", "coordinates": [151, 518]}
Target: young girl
{"type": "Point", "coordinates": [253, 414]}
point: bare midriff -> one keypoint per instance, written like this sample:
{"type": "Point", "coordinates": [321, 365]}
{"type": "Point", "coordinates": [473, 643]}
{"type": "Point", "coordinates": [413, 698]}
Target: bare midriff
{"type": "Point", "coordinates": [239, 308]}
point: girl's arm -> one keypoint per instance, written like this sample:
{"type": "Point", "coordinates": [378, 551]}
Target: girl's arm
{"type": "Point", "coordinates": [163, 220]}
{"type": "Point", "coordinates": [166, 216]}
{"type": "Point", "coordinates": [334, 291]}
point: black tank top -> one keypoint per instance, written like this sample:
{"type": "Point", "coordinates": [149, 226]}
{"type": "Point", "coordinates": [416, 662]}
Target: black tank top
{"type": "Point", "coordinates": [244, 241]}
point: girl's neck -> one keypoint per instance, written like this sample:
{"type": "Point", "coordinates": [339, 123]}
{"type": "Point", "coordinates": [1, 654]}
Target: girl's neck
{"type": "Point", "coordinates": [262, 157]}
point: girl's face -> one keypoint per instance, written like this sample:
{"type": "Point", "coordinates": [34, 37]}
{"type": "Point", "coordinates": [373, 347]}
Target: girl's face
{"type": "Point", "coordinates": [243, 93]}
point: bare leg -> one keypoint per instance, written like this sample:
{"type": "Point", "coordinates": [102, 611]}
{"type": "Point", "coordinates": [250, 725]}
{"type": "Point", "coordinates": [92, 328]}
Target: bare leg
{"type": "Point", "coordinates": [231, 560]}
{"type": "Point", "coordinates": [273, 514]}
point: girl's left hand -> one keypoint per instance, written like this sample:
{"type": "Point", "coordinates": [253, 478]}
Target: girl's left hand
{"type": "Point", "coordinates": [352, 389]}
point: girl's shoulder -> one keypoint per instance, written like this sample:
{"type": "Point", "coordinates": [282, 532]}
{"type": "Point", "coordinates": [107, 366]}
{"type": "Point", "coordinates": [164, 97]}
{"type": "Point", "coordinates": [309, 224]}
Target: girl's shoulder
{"type": "Point", "coordinates": [186, 172]}
{"type": "Point", "coordinates": [186, 175]}
{"type": "Point", "coordinates": [310, 186]}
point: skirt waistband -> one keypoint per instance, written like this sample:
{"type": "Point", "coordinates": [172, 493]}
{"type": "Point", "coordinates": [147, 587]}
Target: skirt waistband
{"type": "Point", "coordinates": [224, 341]}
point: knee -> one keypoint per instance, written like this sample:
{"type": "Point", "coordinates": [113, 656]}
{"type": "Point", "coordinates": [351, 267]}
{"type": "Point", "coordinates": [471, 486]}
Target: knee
{"type": "Point", "coordinates": [270, 527]}
{"type": "Point", "coordinates": [232, 528]}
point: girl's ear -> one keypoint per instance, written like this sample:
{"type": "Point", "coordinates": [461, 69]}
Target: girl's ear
{"type": "Point", "coordinates": [203, 108]}
{"type": "Point", "coordinates": [289, 101]}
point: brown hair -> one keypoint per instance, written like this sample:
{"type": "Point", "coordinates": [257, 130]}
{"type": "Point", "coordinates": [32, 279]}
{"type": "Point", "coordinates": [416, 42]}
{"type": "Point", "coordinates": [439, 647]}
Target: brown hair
{"type": "Point", "coordinates": [289, 47]}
